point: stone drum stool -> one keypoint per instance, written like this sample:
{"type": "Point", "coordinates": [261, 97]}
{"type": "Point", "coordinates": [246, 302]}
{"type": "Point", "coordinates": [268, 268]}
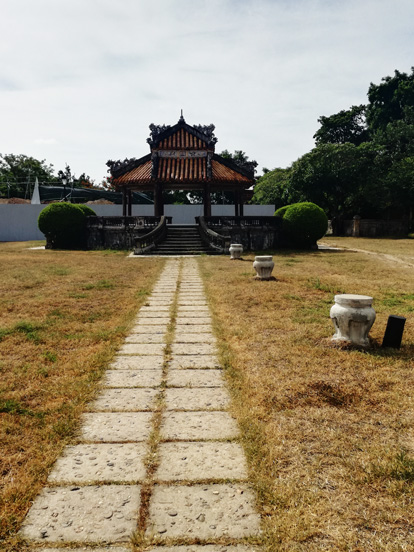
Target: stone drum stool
{"type": "Point", "coordinates": [263, 266]}
{"type": "Point", "coordinates": [236, 249]}
{"type": "Point", "coordinates": [353, 317]}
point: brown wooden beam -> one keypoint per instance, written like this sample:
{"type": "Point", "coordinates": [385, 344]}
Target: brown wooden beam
{"type": "Point", "coordinates": [129, 203]}
{"type": "Point", "coordinates": [207, 200]}
{"type": "Point", "coordinates": [158, 200]}
{"type": "Point", "coordinates": [124, 202]}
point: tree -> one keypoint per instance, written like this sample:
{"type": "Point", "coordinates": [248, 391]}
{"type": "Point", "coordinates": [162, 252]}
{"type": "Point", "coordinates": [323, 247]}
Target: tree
{"type": "Point", "coordinates": [17, 172]}
{"type": "Point", "coordinates": [336, 177]}
{"type": "Point", "coordinates": [241, 159]}
{"type": "Point", "coordinates": [389, 99]}
{"type": "Point", "coordinates": [272, 188]}
{"type": "Point", "coordinates": [345, 126]}
{"type": "Point", "coordinates": [83, 181]}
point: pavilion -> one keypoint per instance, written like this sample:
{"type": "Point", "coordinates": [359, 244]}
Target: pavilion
{"type": "Point", "coordinates": [182, 157]}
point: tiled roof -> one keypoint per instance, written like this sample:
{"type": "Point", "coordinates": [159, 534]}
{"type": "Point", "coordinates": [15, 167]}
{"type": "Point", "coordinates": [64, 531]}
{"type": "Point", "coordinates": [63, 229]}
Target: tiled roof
{"type": "Point", "coordinates": [185, 170]}
{"type": "Point", "coordinates": [181, 155]}
{"type": "Point", "coordinates": [182, 139]}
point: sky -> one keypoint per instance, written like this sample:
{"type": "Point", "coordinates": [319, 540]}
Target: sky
{"type": "Point", "coordinates": [82, 80]}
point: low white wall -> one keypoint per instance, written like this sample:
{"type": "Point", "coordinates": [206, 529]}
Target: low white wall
{"type": "Point", "coordinates": [19, 222]}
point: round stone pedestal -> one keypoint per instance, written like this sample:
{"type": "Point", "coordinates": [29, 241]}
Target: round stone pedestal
{"type": "Point", "coordinates": [263, 266]}
{"type": "Point", "coordinates": [353, 317]}
{"type": "Point", "coordinates": [236, 249]}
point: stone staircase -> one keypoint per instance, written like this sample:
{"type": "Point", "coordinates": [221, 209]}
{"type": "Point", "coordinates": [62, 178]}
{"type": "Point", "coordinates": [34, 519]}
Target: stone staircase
{"type": "Point", "coordinates": [183, 240]}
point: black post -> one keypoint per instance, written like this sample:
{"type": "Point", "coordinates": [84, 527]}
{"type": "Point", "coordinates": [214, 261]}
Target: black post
{"type": "Point", "coordinates": [129, 203]}
{"type": "Point", "coordinates": [124, 202]}
{"type": "Point", "coordinates": [394, 332]}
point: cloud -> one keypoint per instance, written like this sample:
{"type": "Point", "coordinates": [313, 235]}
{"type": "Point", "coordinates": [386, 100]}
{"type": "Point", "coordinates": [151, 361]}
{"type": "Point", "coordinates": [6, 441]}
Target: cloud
{"type": "Point", "coordinates": [95, 74]}
{"type": "Point", "coordinates": [45, 141]}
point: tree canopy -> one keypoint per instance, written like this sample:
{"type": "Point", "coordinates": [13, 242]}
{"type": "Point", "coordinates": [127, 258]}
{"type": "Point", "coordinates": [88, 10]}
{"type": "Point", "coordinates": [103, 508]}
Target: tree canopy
{"type": "Point", "coordinates": [363, 162]}
{"type": "Point", "coordinates": [345, 126]}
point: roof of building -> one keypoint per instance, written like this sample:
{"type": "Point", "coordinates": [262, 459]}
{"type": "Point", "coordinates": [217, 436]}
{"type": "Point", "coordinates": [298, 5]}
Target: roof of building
{"type": "Point", "coordinates": [181, 157]}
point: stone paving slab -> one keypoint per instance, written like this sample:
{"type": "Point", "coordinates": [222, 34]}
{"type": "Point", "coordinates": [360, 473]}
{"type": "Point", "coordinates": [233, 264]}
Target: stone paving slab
{"type": "Point", "coordinates": [100, 462]}
{"type": "Point", "coordinates": [195, 378]}
{"type": "Point", "coordinates": [193, 349]}
{"type": "Point", "coordinates": [204, 548]}
{"type": "Point", "coordinates": [153, 321]}
{"type": "Point", "coordinates": [206, 337]}
{"type": "Point", "coordinates": [181, 320]}
{"type": "Point", "coordinates": [211, 398]}
{"type": "Point", "coordinates": [192, 302]}
{"type": "Point", "coordinates": [117, 427]}
{"type": "Point", "coordinates": [193, 328]}
{"type": "Point", "coordinates": [143, 314]}
{"type": "Point", "coordinates": [142, 349]}
{"type": "Point", "coordinates": [132, 378]}
{"type": "Point", "coordinates": [150, 329]}
{"type": "Point", "coordinates": [198, 425]}
{"type": "Point", "coordinates": [145, 362]}
{"type": "Point", "coordinates": [182, 362]}
{"type": "Point", "coordinates": [165, 290]}
{"type": "Point", "coordinates": [83, 514]}
{"type": "Point", "coordinates": [125, 400]}
{"type": "Point", "coordinates": [157, 308]}
{"type": "Point", "coordinates": [146, 338]}
{"type": "Point", "coordinates": [193, 308]}
{"type": "Point", "coordinates": [203, 511]}
{"type": "Point", "coordinates": [195, 289]}
{"type": "Point", "coordinates": [201, 461]}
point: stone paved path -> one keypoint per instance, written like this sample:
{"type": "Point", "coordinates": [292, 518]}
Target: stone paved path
{"type": "Point", "coordinates": [157, 453]}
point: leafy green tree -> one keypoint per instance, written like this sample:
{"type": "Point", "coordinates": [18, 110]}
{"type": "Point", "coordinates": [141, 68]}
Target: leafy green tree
{"type": "Point", "coordinates": [389, 99]}
{"type": "Point", "coordinates": [17, 171]}
{"type": "Point", "coordinates": [240, 158]}
{"type": "Point", "coordinates": [335, 177]}
{"type": "Point", "coordinates": [272, 188]}
{"type": "Point", "coordinates": [345, 126]}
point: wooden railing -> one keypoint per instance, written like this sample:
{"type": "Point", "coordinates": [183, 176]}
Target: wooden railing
{"type": "Point", "coordinates": [212, 238]}
{"type": "Point", "coordinates": [149, 241]}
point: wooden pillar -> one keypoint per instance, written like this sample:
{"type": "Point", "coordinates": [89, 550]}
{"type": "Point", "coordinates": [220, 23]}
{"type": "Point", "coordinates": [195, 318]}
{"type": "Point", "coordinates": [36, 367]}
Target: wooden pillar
{"type": "Point", "coordinates": [207, 200]}
{"type": "Point", "coordinates": [158, 200]}
{"type": "Point", "coordinates": [129, 203]}
{"type": "Point", "coordinates": [236, 203]}
{"type": "Point", "coordinates": [124, 202]}
{"type": "Point", "coordinates": [241, 208]}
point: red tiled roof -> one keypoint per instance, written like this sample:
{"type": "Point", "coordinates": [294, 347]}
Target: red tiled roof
{"type": "Point", "coordinates": [185, 170]}
{"type": "Point", "coordinates": [181, 155]}
{"type": "Point", "coordinates": [181, 139]}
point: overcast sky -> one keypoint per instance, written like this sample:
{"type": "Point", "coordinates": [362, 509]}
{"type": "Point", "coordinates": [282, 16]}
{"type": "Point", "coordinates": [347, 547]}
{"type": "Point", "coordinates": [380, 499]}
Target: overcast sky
{"type": "Point", "coordinates": [81, 80]}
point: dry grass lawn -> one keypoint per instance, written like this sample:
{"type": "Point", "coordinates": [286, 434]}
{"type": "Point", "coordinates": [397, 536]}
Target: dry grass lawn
{"type": "Point", "coordinates": [329, 431]}
{"type": "Point", "coordinates": [63, 315]}
{"type": "Point", "coordinates": [399, 249]}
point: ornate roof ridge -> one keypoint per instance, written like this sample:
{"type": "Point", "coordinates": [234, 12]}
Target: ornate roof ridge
{"type": "Point", "coordinates": [203, 132]}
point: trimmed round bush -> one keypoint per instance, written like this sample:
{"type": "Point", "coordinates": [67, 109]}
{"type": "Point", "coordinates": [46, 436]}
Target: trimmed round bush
{"type": "Point", "coordinates": [304, 223]}
{"type": "Point", "coordinates": [87, 211]}
{"type": "Point", "coordinates": [64, 225]}
{"type": "Point", "coordinates": [282, 210]}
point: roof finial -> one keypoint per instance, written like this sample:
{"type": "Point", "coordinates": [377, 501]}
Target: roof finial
{"type": "Point", "coordinates": [182, 117]}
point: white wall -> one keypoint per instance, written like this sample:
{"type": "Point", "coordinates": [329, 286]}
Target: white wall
{"type": "Point", "coordinates": [19, 222]}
